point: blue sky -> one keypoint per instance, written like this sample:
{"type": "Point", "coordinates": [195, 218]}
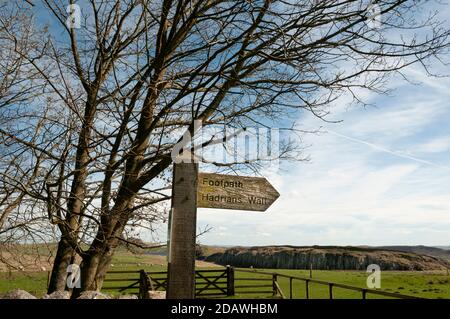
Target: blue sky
{"type": "Point", "coordinates": [379, 177]}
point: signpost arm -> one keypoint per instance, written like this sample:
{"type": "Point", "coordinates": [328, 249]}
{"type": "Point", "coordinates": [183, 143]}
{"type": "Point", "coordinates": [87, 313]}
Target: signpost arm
{"type": "Point", "coordinates": [181, 267]}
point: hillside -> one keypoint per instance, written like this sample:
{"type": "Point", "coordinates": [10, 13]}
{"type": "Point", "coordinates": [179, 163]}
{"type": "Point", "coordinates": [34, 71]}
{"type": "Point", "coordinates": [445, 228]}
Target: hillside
{"type": "Point", "coordinates": [39, 258]}
{"type": "Point", "coordinates": [325, 258]}
{"type": "Point", "coordinates": [421, 250]}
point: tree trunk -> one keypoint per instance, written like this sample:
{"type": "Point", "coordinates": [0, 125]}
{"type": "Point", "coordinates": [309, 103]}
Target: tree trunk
{"type": "Point", "coordinates": [97, 259]}
{"type": "Point", "coordinates": [93, 269]}
{"type": "Point", "coordinates": [64, 257]}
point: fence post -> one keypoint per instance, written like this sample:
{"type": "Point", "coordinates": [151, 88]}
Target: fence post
{"type": "Point", "coordinates": [307, 288]}
{"type": "Point", "coordinates": [330, 286]}
{"type": "Point", "coordinates": [364, 293]}
{"type": "Point", "coordinates": [144, 285]}
{"type": "Point", "coordinates": [290, 288]}
{"type": "Point", "coordinates": [230, 281]}
{"type": "Point", "coordinates": [274, 284]}
{"type": "Point", "coordinates": [141, 285]}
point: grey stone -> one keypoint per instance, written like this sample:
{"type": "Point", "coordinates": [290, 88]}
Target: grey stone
{"type": "Point", "coordinates": [58, 295]}
{"type": "Point", "coordinates": [157, 294]}
{"type": "Point", "coordinates": [18, 294]}
{"type": "Point", "coordinates": [127, 297]}
{"type": "Point", "coordinates": [90, 294]}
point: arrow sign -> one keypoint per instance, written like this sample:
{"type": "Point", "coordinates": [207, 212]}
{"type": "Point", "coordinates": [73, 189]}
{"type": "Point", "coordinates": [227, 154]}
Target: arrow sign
{"type": "Point", "coordinates": [235, 192]}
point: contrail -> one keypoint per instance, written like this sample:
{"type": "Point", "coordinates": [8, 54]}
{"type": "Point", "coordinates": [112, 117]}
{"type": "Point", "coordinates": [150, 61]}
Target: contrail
{"type": "Point", "coordinates": [386, 150]}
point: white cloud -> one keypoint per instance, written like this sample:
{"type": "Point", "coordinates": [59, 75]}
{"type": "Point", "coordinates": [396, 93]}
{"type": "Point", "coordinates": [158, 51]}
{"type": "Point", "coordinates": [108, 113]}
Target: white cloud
{"type": "Point", "coordinates": [382, 178]}
{"type": "Point", "coordinates": [437, 145]}
{"type": "Point", "coordinates": [398, 121]}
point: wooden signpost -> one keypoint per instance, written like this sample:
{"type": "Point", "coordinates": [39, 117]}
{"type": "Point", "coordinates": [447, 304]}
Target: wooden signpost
{"type": "Point", "coordinates": [235, 192]}
{"type": "Point", "coordinates": [182, 232]}
{"type": "Point", "coordinates": [191, 190]}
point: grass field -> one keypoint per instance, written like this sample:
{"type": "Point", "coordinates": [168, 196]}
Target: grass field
{"type": "Point", "coordinates": [420, 284]}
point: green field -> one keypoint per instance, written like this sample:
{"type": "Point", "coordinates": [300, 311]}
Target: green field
{"type": "Point", "coordinates": [419, 284]}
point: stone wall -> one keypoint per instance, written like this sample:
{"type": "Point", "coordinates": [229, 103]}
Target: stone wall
{"type": "Point", "coordinates": [324, 258]}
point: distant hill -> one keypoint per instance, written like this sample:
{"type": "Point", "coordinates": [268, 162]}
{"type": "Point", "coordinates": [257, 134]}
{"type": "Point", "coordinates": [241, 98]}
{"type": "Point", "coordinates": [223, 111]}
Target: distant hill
{"type": "Point", "coordinates": [327, 257]}
{"type": "Point", "coordinates": [421, 250]}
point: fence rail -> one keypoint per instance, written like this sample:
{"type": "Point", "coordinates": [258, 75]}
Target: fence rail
{"type": "Point", "coordinates": [213, 283]}
{"type": "Point", "coordinates": [331, 285]}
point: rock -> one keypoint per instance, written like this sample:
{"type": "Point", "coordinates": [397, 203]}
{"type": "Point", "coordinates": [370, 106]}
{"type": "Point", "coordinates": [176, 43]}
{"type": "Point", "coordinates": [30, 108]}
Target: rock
{"type": "Point", "coordinates": [18, 294]}
{"type": "Point", "coordinates": [127, 297]}
{"type": "Point", "coordinates": [157, 294]}
{"type": "Point", "coordinates": [324, 258]}
{"type": "Point", "coordinates": [58, 295]}
{"type": "Point", "coordinates": [90, 294]}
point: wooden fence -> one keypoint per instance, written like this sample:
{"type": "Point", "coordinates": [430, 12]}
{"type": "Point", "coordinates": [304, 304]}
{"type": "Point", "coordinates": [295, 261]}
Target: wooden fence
{"type": "Point", "coordinates": [277, 292]}
{"type": "Point", "coordinates": [208, 283]}
{"type": "Point", "coordinates": [224, 282]}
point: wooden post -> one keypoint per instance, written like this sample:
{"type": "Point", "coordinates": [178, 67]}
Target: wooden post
{"type": "Point", "coordinates": [290, 288]}
{"type": "Point", "coordinates": [230, 281]}
{"type": "Point", "coordinates": [181, 267]}
{"type": "Point", "coordinates": [307, 289]}
{"type": "Point", "coordinates": [310, 270]}
{"type": "Point", "coordinates": [274, 284]}
{"type": "Point", "coordinates": [364, 293]}
{"type": "Point", "coordinates": [141, 286]}
{"type": "Point", "coordinates": [330, 286]}
{"type": "Point", "coordinates": [145, 285]}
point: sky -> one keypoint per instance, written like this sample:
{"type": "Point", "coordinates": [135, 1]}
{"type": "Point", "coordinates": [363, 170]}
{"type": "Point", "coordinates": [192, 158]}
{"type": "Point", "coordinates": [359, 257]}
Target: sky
{"type": "Point", "coordinates": [381, 176]}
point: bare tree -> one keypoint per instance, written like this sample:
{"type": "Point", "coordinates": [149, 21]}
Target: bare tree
{"type": "Point", "coordinates": [22, 219]}
{"type": "Point", "coordinates": [122, 90]}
